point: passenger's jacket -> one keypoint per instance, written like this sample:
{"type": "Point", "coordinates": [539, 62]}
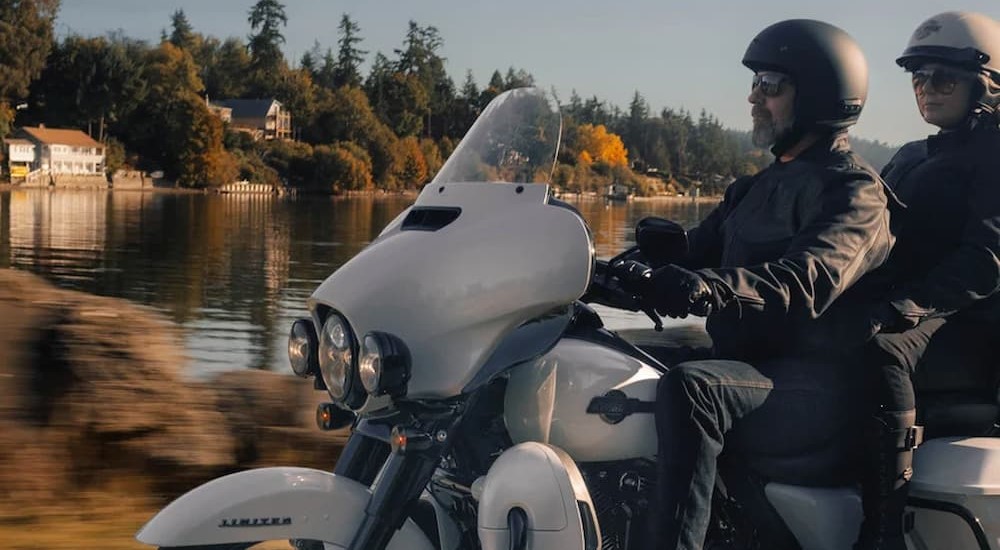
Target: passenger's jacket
{"type": "Point", "coordinates": [946, 258]}
{"type": "Point", "coordinates": [786, 243]}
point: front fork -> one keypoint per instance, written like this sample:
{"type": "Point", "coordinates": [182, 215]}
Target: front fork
{"type": "Point", "coordinates": [397, 464]}
{"type": "Point", "coordinates": [363, 456]}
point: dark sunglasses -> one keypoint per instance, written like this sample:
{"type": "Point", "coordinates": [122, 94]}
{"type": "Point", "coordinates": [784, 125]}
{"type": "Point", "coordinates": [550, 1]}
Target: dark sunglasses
{"type": "Point", "coordinates": [769, 83]}
{"type": "Point", "coordinates": [943, 81]}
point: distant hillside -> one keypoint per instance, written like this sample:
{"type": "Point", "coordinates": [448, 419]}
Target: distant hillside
{"type": "Point", "coordinates": [875, 152]}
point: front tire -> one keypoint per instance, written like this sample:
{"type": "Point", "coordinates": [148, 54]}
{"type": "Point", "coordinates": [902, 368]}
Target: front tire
{"type": "Point", "coordinates": [234, 546]}
{"type": "Point", "coordinates": [297, 544]}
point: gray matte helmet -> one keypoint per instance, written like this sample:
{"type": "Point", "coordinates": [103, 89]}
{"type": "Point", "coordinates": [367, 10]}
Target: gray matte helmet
{"type": "Point", "coordinates": [829, 69]}
{"type": "Point", "coordinates": [963, 39]}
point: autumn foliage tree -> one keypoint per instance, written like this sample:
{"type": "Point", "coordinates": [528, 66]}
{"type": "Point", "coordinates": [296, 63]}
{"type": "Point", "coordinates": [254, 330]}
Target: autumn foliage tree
{"type": "Point", "coordinates": [596, 144]}
{"type": "Point", "coordinates": [411, 169]}
{"type": "Point", "coordinates": [182, 136]}
{"type": "Point", "coordinates": [342, 167]}
{"type": "Point", "coordinates": [198, 159]}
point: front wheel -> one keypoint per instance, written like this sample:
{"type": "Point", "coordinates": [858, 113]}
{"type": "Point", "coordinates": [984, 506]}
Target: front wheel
{"type": "Point", "coordinates": [237, 546]}
{"type": "Point", "coordinates": [297, 544]}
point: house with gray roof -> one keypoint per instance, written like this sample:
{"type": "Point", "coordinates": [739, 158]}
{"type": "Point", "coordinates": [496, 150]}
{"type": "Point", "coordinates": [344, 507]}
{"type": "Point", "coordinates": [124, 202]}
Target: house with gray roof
{"type": "Point", "coordinates": [262, 118]}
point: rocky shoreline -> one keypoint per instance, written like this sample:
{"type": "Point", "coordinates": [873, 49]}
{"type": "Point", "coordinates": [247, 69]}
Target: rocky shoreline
{"type": "Point", "coordinates": [93, 393]}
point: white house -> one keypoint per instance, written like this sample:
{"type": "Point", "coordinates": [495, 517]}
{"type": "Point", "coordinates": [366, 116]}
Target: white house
{"type": "Point", "coordinates": [20, 156]}
{"type": "Point", "coordinates": [56, 151]}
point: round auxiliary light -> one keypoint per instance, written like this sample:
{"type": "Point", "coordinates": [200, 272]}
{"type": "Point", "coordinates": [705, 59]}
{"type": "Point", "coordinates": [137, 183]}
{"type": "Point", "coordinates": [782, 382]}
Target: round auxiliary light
{"type": "Point", "coordinates": [336, 355]}
{"type": "Point", "coordinates": [384, 365]}
{"type": "Point", "coordinates": [302, 348]}
{"type": "Point", "coordinates": [370, 365]}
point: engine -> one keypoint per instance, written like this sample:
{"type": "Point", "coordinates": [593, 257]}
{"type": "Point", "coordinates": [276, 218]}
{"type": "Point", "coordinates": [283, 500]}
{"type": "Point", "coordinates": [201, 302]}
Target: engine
{"type": "Point", "coordinates": [622, 493]}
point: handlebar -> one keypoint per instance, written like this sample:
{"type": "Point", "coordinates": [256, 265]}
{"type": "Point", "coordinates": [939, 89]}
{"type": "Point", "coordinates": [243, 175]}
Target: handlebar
{"type": "Point", "coordinates": [621, 283]}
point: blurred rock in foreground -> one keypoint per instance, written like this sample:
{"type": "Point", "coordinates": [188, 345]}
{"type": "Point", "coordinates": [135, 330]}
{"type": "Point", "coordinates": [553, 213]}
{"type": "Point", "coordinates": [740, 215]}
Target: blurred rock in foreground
{"type": "Point", "coordinates": [93, 392]}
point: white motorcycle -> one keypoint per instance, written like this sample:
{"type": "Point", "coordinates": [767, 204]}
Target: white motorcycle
{"type": "Point", "coordinates": [491, 409]}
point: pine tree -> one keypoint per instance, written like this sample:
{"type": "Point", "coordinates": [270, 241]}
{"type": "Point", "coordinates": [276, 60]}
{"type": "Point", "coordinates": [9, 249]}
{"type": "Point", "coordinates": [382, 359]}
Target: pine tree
{"type": "Point", "coordinates": [182, 35]}
{"type": "Point", "coordinates": [349, 56]}
{"type": "Point", "coordinates": [266, 59]}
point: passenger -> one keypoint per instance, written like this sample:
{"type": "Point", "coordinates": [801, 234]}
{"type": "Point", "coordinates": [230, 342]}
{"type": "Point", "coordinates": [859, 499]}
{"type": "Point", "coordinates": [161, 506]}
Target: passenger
{"type": "Point", "coordinates": [776, 253]}
{"type": "Point", "coordinates": [944, 265]}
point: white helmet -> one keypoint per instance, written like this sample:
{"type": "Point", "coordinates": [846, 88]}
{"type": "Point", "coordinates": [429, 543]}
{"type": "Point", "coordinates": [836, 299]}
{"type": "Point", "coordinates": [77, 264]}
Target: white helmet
{"type": "Point", "coordinates": [963, 39]}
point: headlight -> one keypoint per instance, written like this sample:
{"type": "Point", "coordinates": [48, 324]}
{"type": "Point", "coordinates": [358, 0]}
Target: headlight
{"type": "Point", "coordinates": [384, 365]}
{"type": "Point", "coordinates": [370, 365]}
{"type": "Point", "coordinates": [336, 354]}
{"type": "Point", "coordinates": [302, 348]}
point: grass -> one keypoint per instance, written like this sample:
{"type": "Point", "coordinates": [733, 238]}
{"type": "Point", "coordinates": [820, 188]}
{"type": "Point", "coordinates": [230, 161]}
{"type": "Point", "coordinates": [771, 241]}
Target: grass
{"type": "Point", "coordinates": [108, 514]}
{"type": "Point", "coordinates": [93, 521]}
{"type": "Point", "coordinates": [98, 521]}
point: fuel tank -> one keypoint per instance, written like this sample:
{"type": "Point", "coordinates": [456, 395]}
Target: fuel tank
{"type": "Point", "coordinates": [547, 400]}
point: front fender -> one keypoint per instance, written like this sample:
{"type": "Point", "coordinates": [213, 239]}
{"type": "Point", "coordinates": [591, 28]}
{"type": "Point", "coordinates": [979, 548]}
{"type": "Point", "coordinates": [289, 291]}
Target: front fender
{"type": "Point", "coordinates": [545, 483]}
{"type": "Point", "coordinates": [271, 504]}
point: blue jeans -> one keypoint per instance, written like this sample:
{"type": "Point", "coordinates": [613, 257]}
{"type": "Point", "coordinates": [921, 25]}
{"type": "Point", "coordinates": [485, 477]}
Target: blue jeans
{"type": "Point", "coordinates": [770, 415]}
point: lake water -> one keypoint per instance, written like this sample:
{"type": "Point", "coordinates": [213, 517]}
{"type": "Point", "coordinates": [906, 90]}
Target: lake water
{"type": "Point", "coordinates": [233, 271]}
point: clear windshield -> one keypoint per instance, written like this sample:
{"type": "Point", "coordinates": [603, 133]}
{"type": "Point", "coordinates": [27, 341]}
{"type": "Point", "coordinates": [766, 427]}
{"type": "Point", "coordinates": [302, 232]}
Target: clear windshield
{"type": "Point", "coordinates": [515, 140]}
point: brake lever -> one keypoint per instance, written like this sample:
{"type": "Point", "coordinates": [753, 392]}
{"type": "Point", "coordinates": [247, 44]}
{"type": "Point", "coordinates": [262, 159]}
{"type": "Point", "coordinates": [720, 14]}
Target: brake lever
{"type": "Point", "coordinates": [624, 255]}
{"type": "Point", "coordinates": [651, 313]}
{"type": "Point", "coordinates": [635, 275]}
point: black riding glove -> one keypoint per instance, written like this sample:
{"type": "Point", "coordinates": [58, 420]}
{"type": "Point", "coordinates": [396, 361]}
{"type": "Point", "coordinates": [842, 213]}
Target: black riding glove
{"type": "Point", "coordinates": [678, 292]}
{"type": "Point", "coordinates": [635, 277]}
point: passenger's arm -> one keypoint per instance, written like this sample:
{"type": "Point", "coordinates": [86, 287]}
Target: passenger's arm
{"type": "Point", "coordinates": [972, 272]}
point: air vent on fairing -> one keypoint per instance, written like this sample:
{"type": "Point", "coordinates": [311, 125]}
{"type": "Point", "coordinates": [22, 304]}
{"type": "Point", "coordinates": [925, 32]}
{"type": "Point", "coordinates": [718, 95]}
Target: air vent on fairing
{"type": "Point", "coordinates": [429, 218]}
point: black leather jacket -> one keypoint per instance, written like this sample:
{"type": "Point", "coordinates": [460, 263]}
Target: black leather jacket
{"type": "Point", "coordinates": [946, 258]}
{"type": "Point", "coordinates": [786, 243]}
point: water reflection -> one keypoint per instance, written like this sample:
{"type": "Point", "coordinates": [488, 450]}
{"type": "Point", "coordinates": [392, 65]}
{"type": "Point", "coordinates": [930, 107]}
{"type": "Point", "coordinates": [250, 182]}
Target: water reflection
{"type": "Point", "coordinates": [233, 270]}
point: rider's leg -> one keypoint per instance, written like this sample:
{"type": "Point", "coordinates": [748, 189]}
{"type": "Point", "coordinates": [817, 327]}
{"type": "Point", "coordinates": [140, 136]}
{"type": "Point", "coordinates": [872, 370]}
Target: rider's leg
{"type": "Point", "coordinates": [891, 436]}
{"type": "Point", "coordinates": [698, 403]}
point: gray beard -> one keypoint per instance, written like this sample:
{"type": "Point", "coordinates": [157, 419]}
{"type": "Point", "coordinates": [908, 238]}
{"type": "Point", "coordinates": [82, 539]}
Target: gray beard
{"type": "Point", "coordinates": [766, 133]}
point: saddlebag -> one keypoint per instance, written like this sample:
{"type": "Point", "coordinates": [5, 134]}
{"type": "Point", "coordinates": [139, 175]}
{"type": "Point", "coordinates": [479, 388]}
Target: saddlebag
{"type": "Point", "coordinates": [955, 495]}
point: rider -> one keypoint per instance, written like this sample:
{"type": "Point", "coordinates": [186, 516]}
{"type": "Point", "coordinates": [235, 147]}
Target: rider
{"type": "Point", "coordinates": [945, 264]}
{"type": "Point", "coordinates": [780, 248]}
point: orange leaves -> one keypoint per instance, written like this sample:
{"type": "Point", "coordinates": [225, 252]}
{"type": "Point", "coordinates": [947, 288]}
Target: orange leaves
{"type": "Point", "coordinates": [596, 144]}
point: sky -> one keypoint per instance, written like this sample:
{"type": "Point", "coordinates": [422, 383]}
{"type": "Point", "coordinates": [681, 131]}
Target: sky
{"type": "Point", "coordinates": [676, 53]}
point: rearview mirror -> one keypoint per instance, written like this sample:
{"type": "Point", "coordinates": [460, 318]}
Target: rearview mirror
{"type": "Point", "coordinates": [661, 241]}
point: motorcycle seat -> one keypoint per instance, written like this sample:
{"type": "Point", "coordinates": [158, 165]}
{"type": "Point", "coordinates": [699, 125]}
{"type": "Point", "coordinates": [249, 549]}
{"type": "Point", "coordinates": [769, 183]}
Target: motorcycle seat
{"type": "Point", "coordinates": [945, 414]}
{"type": "Point", "coordinates": [829, 465]}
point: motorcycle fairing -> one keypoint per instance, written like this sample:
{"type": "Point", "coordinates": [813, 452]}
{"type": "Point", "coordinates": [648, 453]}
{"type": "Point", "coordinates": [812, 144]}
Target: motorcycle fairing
{"type": "Point", "coordinates": [525, 343]}
{"type": "Point", "coordinates": [545, 483]}
{"type": "Point", "coordinates": [452, 294]}
{"type": "Point", "coordinates": [271, 504]}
